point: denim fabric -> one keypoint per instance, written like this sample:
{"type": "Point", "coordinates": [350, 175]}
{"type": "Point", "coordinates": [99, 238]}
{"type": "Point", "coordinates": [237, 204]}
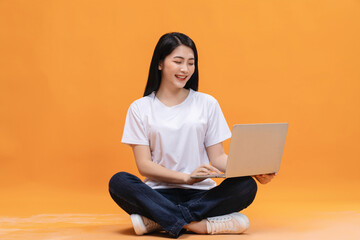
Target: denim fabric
{"type": "Point", "coordinates": [173, 208]}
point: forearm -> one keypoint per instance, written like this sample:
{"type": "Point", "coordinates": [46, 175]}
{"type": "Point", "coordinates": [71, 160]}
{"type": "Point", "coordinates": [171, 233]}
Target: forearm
{"type": "Point", "coordinates": [154, 171]}
{"type": "Point", "coordinates": [159, 173]}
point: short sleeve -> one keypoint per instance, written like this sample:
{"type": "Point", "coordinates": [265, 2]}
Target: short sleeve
{"type": "Point", "coordinates": [134, 129]}
{"type": "Point", "coordinates": [217, 129]}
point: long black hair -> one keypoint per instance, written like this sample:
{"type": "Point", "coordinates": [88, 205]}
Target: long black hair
{"type": "Point", "coordinates": [166, 44]}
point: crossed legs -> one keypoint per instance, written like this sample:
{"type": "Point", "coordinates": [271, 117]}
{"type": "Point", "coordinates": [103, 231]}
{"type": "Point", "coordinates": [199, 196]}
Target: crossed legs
{"type": "Point", "coordinates": [135, 197]}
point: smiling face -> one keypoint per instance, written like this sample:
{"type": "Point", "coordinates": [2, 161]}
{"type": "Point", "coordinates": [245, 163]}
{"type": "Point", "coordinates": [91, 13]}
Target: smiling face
{"type": "Point", "coordinates": [177, 68]}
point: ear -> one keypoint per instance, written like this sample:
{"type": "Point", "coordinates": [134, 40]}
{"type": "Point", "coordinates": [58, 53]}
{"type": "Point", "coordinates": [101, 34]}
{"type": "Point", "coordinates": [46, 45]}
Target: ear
{"type": "Point", "coordinates": [160, 67]}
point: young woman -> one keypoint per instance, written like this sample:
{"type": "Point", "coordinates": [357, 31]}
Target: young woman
{"type": "Point", "coordinates": [176, 132]}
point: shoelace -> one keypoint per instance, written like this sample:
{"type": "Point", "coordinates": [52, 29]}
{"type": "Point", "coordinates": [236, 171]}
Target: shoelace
{"type": "Point", "coordinates": [222, 224]}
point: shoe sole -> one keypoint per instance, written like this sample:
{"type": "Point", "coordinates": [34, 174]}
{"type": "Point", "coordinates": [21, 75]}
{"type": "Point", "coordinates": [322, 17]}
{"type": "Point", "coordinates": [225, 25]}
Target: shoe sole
{"type": "Point", "coordinates": [138, 224]}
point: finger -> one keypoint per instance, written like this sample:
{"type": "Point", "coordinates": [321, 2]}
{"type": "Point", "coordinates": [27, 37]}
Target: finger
{"type": "Point", "coordinates": [202, 174]}
{"type": "Point", "coordinates": [208, 167]}
{"type": "Point", "coordinates": [268, 177]}
{"type": "Point", "coordinates": [260, 178]}
{"type": "Point", "coordinates": [203, 169]}
{"type": "Point", "coordinates": [208, 171]}
{"type": "Point", "coordinates": [214, 169]}
{"type": "Point", "coordinates": [272, 175]}
{"type": "Point", "coordinates": [211, 168]}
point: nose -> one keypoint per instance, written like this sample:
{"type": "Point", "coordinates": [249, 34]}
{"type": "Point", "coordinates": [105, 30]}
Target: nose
{"type": "Point", "coordinates": [184, 68]}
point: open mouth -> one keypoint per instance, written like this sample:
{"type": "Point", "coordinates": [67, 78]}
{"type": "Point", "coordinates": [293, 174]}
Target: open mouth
{"type": "Point", "coordinates": [181, 77]}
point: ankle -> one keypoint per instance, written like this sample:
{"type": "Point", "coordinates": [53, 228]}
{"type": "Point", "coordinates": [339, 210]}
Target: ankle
{"type": "Point", "coordinates": [197, 227]}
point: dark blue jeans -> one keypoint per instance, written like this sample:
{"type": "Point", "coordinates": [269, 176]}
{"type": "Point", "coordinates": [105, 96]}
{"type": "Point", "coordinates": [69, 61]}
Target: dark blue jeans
{"type": "Point", "coordinates": [173, 208]}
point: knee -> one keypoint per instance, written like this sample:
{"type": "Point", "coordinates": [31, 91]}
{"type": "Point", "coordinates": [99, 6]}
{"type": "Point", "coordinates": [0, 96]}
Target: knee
{"type": "Point", "coordinates": [247, 189]}
{"type": "Point", "coordinates": [252, 186]}
{"type": "Point", "coordinates": [119, 179]}
{"type": "Point", "coordinates": [250, 190]}
{"type": "Point", "coordinates": [245, 186]}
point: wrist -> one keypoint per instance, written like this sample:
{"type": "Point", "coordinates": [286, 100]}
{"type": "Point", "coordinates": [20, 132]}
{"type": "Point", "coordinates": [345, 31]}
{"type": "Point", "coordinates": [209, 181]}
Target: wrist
{"type": "Point", "coordinates": [187, 179]}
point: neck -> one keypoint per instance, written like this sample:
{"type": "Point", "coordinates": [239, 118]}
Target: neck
{"type": "Point", "coordinates": [171, 97]}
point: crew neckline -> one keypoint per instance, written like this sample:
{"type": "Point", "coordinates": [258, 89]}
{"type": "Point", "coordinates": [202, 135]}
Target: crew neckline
{"type": "Point", "coordinates": [177, 105]}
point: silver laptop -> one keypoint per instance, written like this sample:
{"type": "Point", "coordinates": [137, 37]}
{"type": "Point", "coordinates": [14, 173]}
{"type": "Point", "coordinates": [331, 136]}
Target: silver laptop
{"type": "Point", "coordinates": [254, 149]}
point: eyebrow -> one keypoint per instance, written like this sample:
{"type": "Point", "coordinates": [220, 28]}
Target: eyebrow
{"type": "Point", "coordinates": [184, 58]}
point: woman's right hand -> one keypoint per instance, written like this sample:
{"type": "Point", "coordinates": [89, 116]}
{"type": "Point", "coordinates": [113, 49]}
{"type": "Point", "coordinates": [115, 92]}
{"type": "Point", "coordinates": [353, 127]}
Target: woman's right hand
{"type": "Point", "coordinates": [202, 170]}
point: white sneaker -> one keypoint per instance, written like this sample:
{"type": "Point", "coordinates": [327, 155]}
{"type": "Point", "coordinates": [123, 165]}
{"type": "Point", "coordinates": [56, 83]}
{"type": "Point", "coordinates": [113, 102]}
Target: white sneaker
{"type": "Point", "coordinates": [230, 223]}
{"type": "Point", "coordinates": [143, 225]}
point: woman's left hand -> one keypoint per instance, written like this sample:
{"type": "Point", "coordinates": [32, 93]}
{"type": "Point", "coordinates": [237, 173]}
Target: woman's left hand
{"type": "Point", "coordinates": [265, 178]}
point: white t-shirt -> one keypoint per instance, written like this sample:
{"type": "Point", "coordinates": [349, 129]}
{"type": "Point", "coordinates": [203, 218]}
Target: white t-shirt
{"type": "Point", "coordinates": [177, 135]}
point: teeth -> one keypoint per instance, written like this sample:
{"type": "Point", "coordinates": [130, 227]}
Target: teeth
{"type": "Point", "coordinates": [181, 77]}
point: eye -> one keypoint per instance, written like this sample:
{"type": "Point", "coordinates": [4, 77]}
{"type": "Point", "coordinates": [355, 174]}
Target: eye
{"type": "Point", "coordinates": [177, 62]}
{"type": "Point", "coordinates": [191, 64]}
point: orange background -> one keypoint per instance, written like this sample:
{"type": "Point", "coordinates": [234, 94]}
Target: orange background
{"type": "Point", "coordinates": [70, 69]}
